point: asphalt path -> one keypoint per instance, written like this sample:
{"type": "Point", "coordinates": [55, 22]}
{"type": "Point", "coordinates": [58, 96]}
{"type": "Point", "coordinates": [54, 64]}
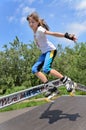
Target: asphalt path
{"type": "Point", "coordinates": [66, 113]}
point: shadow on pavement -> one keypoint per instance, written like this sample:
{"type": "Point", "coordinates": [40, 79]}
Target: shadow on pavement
{"type": "Point", "coordinates": [55, 115]}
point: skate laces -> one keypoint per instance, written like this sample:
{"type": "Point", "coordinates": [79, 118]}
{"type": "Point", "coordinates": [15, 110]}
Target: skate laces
{"type": "Point", "coordinates": [65, 80]}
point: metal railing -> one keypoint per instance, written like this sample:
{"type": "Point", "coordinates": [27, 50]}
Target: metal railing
{"type": "Point", "coordinates": [28, 93]}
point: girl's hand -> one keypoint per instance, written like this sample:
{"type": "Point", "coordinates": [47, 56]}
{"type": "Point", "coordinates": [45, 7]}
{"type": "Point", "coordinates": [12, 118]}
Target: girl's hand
{"type": "Point", "coordinates": [70, 36]}
{"type": "Point", "coordinates": [74, 38]}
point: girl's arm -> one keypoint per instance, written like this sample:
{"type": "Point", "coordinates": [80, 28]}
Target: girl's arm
{"type": "Point", "coordinates": [56, 34]}
{"type": "Point", "coordinates": [66, 35]}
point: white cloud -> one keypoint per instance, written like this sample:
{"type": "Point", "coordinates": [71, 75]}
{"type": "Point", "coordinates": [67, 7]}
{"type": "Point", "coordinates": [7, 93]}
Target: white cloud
{"type": "Point", "coordinates": [26, 10]}
{"type": "Point", "coordinates": [80, 8]}
{"type": "Point", "coordinates": [30, 1]}
{"type": "Point", "coordinates": [51, 15]}
{"type": "Point", "coordinates": [81, 5]}
{"type": "Point", "coordinates": [19, 8]}
{"type": "Point", "coordinates": [81, 14]}
{"type": "Point", "coordinates": [77, 28]}
{"type": "Point", "coordinates": [11, 19]}
{"type": "Point", "coordinates": [23, 20]}
{"type": "Point", "coordinates": [24, 1]}
{"type": "Point", "coordinates": [53, 3]}
{"type": "Point", "coordinates": [21, 14]}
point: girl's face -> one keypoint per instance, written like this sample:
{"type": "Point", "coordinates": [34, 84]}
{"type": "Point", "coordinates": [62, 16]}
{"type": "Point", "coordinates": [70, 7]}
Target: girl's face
{"type": "Point", "coordinates": [33, 24]}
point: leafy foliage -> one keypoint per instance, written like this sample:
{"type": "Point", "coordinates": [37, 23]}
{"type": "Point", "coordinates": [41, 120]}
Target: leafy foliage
{"type": "Point", "coordinates": [16, 62]}
{"type": "Point", "coordinates": [72, 62]}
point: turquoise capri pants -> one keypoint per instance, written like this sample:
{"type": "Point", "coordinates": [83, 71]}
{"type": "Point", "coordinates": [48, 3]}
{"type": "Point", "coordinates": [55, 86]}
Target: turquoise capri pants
{"type": "Point", "coordinates": [45, 62]}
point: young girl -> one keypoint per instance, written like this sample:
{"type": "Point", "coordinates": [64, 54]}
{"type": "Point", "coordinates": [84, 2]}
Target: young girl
{"type": "Point", "coordinates": [40, 30]}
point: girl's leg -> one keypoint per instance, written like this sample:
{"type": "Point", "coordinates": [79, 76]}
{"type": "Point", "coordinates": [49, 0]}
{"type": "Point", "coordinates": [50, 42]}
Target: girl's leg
{"type": "Point", "coordinates": [47, 60]}
{"type": "Point", "coordinates": [41, 76]}
{"type": "Point", "coordinates": [47, 69]}
{"type": "Point", "coordinates": [56, 73]}
{"type": "Point", "coordinates": [36, 69]}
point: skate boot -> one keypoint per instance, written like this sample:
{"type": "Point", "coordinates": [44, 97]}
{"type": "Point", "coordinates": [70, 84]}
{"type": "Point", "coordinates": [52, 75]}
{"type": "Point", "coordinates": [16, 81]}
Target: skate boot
{"type": "Point", "coordinates": [51, 89]}
{"type": "Point", "coordinates": [68, 83]}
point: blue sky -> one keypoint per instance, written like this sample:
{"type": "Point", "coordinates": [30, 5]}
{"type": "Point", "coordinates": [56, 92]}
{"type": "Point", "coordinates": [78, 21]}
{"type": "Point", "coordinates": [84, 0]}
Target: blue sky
{"type": "Point", "coordinates": [61, 15]}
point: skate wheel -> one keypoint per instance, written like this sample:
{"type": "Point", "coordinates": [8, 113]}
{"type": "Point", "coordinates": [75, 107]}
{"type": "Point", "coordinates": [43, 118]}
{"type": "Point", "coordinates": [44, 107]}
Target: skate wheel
{"type": "Point", "coordinates": [48, 100]}
{"type": "Point", "coordinates": [72, 94]}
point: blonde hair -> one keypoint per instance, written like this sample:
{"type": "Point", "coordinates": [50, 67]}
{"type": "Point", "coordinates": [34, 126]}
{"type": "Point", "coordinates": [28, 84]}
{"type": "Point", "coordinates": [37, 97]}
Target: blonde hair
{"type": "Point", "coordinates": [36, 17]}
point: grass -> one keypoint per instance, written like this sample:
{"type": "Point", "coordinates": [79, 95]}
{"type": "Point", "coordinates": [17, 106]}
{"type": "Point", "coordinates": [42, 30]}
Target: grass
{"type": "Point", "coordinates": [35, 101]}
{"type": "Point", "coordinates": [22, 105]}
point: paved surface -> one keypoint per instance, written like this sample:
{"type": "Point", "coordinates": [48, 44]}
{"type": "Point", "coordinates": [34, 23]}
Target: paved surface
{"type": "Point", "coordinates": [4, 116]}
{"type": "Point", "coordinates": [66, 113]}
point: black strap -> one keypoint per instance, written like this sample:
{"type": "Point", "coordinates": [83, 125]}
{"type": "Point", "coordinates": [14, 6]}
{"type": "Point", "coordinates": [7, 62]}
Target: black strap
{"type": "Point", "coordinates": [68, 36]}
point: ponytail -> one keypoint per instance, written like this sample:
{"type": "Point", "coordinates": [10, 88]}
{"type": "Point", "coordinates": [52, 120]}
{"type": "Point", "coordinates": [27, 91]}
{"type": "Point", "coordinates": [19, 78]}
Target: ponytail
{"type": "Point", "coordinates": [43, 24]}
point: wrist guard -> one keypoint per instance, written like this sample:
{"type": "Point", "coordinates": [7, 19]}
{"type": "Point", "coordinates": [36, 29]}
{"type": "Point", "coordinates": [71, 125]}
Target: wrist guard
{"type": "Point", "coordinates": [68, 36]}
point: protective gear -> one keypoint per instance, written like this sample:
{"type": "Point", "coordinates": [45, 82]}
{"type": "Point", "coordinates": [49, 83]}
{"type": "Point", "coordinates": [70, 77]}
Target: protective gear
{"type": "Point", "coordinates": [69, 84]}
{"type": "Point", "coordinates": [51, 89]}
{"type": "Point", "coordinates": [69, 36]}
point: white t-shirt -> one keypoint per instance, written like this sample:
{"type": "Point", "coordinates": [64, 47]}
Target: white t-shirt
{"type": "Point", "coordinates": [41, 40]}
